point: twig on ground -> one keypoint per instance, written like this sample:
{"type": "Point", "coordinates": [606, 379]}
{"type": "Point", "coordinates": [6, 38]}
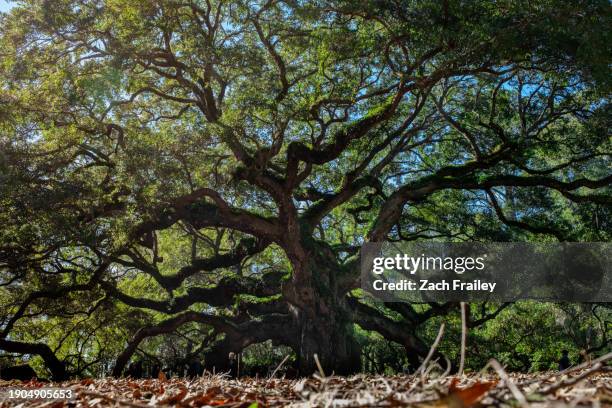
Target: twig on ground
{"type": "Point", "coordinates": [318, 363]}
{"type": "Point", "coordinates": [464, 330]}
{"type": "Point", "coordinates": [518, 395]}
{"type": "Point", "coordinates": [601, 359]}
{"type": "Point", "coordinates": [432, 350]}
{"type": "Point", "coordinates": [278, 367]}
{"type": "Point", "coordinates": [566, 382]}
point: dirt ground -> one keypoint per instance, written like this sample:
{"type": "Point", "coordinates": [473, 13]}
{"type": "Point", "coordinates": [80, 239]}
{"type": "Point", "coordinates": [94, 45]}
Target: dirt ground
{"type": "Point", "coordinates": [588, 386]}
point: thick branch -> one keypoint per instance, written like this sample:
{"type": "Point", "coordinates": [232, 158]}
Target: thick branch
{"type": "Point", "coordinates": [192, 209]}
{"type": "Point", "coordinates": [170, 282]}
{"type": "Point", "coordinates": [220, 295]}
{"type": "Point", "coordinates": [57, 368]}
{"type": "Point", "coordinates": [371, 319]}
{"type": "Point", "coordinates": [53, 294]}
{"type": "Point", "coordinates": [241, 335]}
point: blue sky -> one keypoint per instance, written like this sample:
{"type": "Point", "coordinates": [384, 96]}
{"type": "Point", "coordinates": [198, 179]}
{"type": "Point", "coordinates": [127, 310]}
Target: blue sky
{"type": "Point", "coordinates": [4, 5]}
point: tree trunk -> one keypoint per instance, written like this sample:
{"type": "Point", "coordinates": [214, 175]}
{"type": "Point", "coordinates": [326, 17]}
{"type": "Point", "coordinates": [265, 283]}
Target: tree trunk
{"type": "Point", "coordinates": [332, 341]}
{"type": "Point", "coordinates": [219, 358]}
{"type": "Point", "coordinates": [323, 327]}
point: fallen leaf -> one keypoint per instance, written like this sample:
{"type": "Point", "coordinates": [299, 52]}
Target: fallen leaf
{"type": "Point", "coordinates": [173, 399]}
{"type": "Point", "coordinates": [87, 381]}
{"type": "Point", "coordinates": [470, 395]}
{"type": "Point", "coordinates": [216, 403]}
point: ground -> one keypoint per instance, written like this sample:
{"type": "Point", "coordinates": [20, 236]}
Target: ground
{"type": "Point", "coordinates": [588, 385]}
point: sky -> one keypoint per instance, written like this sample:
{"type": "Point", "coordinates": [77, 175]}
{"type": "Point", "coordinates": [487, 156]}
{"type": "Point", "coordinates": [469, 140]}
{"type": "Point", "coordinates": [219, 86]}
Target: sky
{"type": "Point", "coordinates": [4, 5]}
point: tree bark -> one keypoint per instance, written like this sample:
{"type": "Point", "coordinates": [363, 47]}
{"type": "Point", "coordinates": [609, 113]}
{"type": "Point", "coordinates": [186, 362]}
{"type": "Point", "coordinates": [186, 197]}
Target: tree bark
{"type": "Point", "coordinates": [317, 308]}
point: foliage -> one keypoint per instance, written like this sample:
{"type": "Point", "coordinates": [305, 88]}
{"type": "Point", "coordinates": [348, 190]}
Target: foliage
{"type": "Point", "coordinates": [199, 176]}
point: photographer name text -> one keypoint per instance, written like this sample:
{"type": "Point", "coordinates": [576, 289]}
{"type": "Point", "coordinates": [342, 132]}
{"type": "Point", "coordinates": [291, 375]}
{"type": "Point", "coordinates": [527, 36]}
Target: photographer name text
{"type": "Point", "coordinates": [429, 285]}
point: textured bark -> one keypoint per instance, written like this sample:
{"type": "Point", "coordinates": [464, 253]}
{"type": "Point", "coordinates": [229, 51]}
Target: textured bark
{"type": "Point", "coordinates": [329, 337]}
{"type": "Point", "coordinates": [323, 326]}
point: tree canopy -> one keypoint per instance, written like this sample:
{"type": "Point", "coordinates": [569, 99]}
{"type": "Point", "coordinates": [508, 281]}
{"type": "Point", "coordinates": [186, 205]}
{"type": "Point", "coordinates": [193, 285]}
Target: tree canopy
{"type": "Point", "coordinates": [215, 166]}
